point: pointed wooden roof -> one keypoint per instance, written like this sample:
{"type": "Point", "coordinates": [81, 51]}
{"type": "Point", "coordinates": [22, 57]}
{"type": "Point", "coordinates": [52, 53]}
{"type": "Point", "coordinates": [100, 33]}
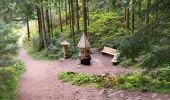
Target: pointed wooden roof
{"type": "Point", "coordinates": [83, 43]}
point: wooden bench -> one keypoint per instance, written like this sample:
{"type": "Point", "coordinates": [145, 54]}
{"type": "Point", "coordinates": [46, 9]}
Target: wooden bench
{"type": "Point", "coordinates": [113, 52]}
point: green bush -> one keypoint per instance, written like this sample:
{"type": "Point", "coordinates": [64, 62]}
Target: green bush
{"type": "Point", "coordinates": [159, 57]}
{"type": "Point", "coordinates": [127, 62]}
{"type": "Point", "coordinates": [10, 69]}
{"type": "Point", "coordinates": [9, 77]}
{"type": "Point", "coordinates": [163, 74]}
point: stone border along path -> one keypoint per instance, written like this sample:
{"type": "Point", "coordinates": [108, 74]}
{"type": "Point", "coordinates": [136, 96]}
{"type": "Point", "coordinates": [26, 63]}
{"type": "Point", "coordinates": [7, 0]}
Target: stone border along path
{"type": "Point", "coordinates": [39, 81]}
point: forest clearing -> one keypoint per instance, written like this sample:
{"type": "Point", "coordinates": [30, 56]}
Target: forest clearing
{"type": "Point", "coordinates": [84, 50]}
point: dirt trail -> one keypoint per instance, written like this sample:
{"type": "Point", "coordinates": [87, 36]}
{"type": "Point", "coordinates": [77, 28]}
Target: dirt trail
{"type": "Point", "coordinates": [39, 81]}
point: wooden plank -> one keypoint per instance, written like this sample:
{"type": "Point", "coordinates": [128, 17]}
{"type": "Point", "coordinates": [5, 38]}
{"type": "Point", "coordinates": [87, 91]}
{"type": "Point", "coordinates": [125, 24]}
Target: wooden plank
{"type": "Point", "coordinates": [110, 51]}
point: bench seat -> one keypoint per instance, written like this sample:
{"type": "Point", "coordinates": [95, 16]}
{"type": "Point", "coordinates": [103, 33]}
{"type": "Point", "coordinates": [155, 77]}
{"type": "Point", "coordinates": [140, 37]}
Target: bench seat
{"type": "Point", "coordinates": [113, 52]}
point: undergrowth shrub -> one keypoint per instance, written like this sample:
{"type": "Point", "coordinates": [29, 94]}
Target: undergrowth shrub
{"type": "Point", "coordinates": [10, 69]}
{"type": "Point", "coordinates": [159, 57]}
{"type": "Point", "coordinates": [9, 78]}
{"type": "Point", "coordinates": [54, 50]}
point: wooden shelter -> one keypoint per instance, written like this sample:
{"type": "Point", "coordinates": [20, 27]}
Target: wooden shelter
{"type": "Point", "coordinates": [84, 49]}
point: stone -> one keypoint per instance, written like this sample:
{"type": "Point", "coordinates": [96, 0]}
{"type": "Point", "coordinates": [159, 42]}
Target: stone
{"type": "Point", "coordinates": [103, 95]}
{"type": "Point", "coordinates": [61, 60]}
{"type": "Point", "coordinates": [154, 95]}
{"type": "Point", "coordinates": [157, 99]}
{"type": "Point", "coordinates": [78, 66]}
{"type": "Point", "coordinates": [116, 93]}
{"type": "Point", "coordinates": [105, 74]}
{"type": "Point", "coordinates": [138, 98]}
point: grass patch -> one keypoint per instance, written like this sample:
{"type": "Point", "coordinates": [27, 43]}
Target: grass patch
{"type": "Point", "coordinates": [9, 78]}
{"type": "Point", "coordinates": [145, 82]}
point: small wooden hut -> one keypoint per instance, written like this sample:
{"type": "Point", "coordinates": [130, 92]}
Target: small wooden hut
{"type": "Point", "coordinates": [84, 49]}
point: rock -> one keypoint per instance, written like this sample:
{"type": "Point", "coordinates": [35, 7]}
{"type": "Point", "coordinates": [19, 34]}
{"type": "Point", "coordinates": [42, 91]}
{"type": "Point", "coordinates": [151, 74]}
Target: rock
{"type": "Point", "coordinates": [103, 95]}
{"type": "Point", "coordinates": [105, 74]}
{"type": "Point", "coordinates": [78, 66]}
{"type": "Point", "coordinates": [78, 62]}
{"type": "Point", "coordinates": [77, 91]}
{"type": "Point", "coordinates": [138, 98]}
{"type": "Point", "coordinates": [154, 95]}
{"type": "Point", "coordinates": [62, 59]}
{"type": "Point", "coordinates": [121, 95]}
{"type": "Point", "coordinates": [116, 93]}
{"type": "Point", "coordinates": [157, 99]}
{"type": "Point", "coordinates": [129, 99]}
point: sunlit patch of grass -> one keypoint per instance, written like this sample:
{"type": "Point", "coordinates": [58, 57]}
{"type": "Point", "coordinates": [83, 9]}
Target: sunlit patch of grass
{"type": "Point", "coordinates": [131, 81]}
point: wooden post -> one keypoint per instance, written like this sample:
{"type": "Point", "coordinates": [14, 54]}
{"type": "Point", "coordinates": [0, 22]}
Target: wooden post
{"type": "Point", "coordinates": [65, 45]}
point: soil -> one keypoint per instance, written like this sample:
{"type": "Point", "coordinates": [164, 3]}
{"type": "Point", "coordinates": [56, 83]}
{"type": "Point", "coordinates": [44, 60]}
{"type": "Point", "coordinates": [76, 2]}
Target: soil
{"type": "Point", "coordinates": [40, 82]}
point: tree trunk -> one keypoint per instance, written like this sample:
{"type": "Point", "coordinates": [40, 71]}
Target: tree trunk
{"type": "Point", "coordinates": [133, 17]}
{"type": "Point", "coordinates": [139, 8]}
{"type": "Point", "coordinates": [157, 15]}
{"type": "Point", "coordinates": [72, 17]}
{"type": "Point", "coordinates": [59, 9]}
{"type": "Point", "coordinates": [88, 18]}
{"type": "Point", "coordinates": [43, 26]}
{"type": "Point", "coordinates": [84, 17]}
{"type": "Point", "coordinates": [66, 11]}
{"type": "Point", "coordinates": [51, 23]}
{"type": "Point", "coordinates": [77, 15]}
{"type": "Point", "coordinates": [148, 10]}
{"type": "Point", "coordinates": [70, 13]}
{"type": "Point", "coordinates": [40, 30]}
{"type": "Point", "coordinates": [127, 17]}
{"type": "Point", "coordinates": [28, 29]}
{"type": "Point", "coordinates": [48, 21]}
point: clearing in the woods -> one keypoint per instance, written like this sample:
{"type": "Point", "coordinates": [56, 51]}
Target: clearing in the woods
{"type": "Point", "coordinates": [40, 82]}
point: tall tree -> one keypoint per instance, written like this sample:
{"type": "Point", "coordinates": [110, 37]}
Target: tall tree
{"type": "Point", "coordinates": [48, 21]}
{"type": "Point", "coordinates": [127, 15]}
{"type": "Point", "coordinates": [41, 44]}
{"type": "Point", "coordinates": [59, 10]}
{"type": "Point", "coordinates": [72, 20]}
{"type": "Point", "coordinates": [77, 15]}
{"type": "Point", "coordinates": [28, 29]}
{"type": "Point", "coordinates": [41, 23]}
{"type": "Point", "coordinates": [84, 17]}
{"type": "Point", "coordinates": [148, 10]}
{"type": "Point", "coordinates": [51, 22]}
{"type": "Point", "coordinates": [133, 16]}
{"type": "Point", "coordinates": [139, 8]}
{"type": "Point", "coordinates": [69, 4]}
{"type": "Point", "coordinates": [88, 13]}
{"type": "Point", "coordinates": [66, 11]}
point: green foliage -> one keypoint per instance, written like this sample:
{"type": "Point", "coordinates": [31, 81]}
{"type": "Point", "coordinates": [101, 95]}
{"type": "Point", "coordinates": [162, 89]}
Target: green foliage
{"type": "Point", "coordinates": [163, 74]}
{"type": "Point", "coordinates": [105, 30]}
{"type": "Point", "coordinates": [9, 77]}
{"type": "Point", "coordinates": [132, 81]}
{"type": "Point", "coordinates": [127, 62]}
{"type": "Point", "coordinates": [160, 56]}
{"type": "Point", "coordinates": [10, 69]}
{"type": "Point", "coordinates": [54, 50]}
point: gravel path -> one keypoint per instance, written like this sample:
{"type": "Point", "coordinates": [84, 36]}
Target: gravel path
{"type": "Point", "coordinates": [39, 81]}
